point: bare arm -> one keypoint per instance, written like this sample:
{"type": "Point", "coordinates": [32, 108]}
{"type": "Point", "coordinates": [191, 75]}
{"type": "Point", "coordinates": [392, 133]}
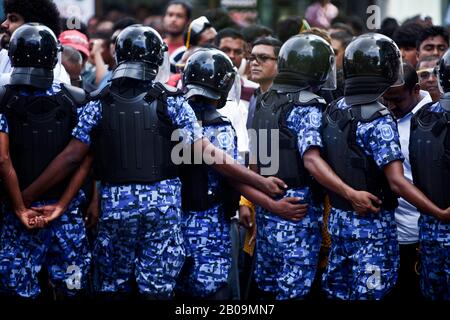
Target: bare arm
{"type": "Point", "coordinates": [11, 183]}
{"type": "Point", "coordinates": [62, 166]}
{"type": "Point", "coordinates": [288, 208]}
{"type": "Point", "coordinates": [404, 188]}
{"type": "Point", "coordinates": [229, 168]}
{"type": "Point", "coordinates": [52, 212]}
{"type": "Point", "coordinates": [322, 172]}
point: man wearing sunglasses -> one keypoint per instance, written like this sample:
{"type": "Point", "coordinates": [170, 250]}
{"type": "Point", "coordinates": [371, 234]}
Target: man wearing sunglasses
{"type": "Point", "coordinates": [427, 72]}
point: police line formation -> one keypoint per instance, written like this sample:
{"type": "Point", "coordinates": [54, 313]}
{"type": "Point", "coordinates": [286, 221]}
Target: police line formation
{"type": "Point", "coordinates": [164, 228]}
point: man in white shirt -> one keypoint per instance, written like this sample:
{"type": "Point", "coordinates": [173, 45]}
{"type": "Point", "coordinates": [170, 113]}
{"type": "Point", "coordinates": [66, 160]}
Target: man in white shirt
{"type": "Point", "coordinates": [232, 43]}
{"type": "Point", "coordinates": [405, 101]}
{"type": "Point", "coordinates": [19, 12]}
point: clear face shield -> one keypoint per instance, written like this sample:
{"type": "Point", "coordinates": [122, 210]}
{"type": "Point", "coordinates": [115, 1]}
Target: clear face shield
{"type": "Point", "coordinates": [436, 73]}
{"type": "Point", "coordinates": [400, 74]}
{"type": "Point", "coordinates": [235, 91]}
{"type": "Point", "coordinates": [331, 82]}
{"type": "Point", "coordinates": [163, 74]}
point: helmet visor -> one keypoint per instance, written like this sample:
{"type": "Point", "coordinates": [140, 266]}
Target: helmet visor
{"type": "Point", "coordinates": [331, 82]}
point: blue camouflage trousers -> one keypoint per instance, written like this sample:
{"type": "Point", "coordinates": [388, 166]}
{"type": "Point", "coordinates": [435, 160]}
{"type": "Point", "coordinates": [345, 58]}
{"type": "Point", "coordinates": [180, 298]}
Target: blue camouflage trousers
{"type": "Point", "coordinates": [288, 252]}
{"type": "Point", "coordinates": [139, 239]}
{"type": "Point", "coordinates": [434, 239]}
{"type": "Point", "coordinates": [208, 251]}
{"type": "Point", "coordinates": [364, 256]}
{"type": "Point", "coordinates": [61, 247]}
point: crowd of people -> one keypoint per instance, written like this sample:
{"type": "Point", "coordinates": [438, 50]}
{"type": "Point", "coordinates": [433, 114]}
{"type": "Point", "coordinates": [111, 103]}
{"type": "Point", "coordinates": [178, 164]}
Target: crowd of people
{"type": "Point", "coordinates": [191, 157]}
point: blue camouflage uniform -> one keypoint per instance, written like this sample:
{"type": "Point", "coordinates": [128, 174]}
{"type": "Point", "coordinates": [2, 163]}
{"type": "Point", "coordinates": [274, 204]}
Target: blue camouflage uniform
{"type": "Point", "coordinates": [139, 233]}
{"type": "Point", "coordinates": [434, 238]}
{"type": "Point", "coordinates": [207, 233]}
{"type": "Point", "coordinates": [288, 252]}
{"type": "Point", "coordinates": [364, 256]}
{"type": "Point", "coordinates": [61, 247]}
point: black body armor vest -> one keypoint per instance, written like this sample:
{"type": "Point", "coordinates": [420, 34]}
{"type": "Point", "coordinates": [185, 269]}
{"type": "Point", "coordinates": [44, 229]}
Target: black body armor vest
{"type": "Point", "coordinates": [194, 177]}
{"type": "Point", "coordinates": [348, 160]}
{"type": "Point", "coordinates": [271, 114]}
{"type": "Point", "coordinates": [40, 127]}
{"type": "Point", "coordinates": [429, 153]}
{"type": "Point", "coordinates": [133, 142]}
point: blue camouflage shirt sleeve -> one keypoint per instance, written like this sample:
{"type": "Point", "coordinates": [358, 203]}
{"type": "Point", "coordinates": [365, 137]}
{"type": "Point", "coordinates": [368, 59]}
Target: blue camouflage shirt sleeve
{"type": "Point", "coordinates": [224, 137]}
{"type": "Point", "coordinates": [89, 117]}
{"type": "Point", "coordinates": [183, 117]}
{"type": "Point", "coordinates": [3, 124]}
{"type": "Point", "coordinates": [381, 140]}
{"type": "Point", "coordinates": [306, 123]}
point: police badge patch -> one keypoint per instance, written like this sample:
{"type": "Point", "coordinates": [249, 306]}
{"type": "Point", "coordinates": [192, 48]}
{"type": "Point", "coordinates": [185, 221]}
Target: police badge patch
{"type": "Point", "coordinates": [315, 120]}
{"type": "Point", "coordinates": [225, 140]}
{"type": "Point", "coordinates": [387, 134]}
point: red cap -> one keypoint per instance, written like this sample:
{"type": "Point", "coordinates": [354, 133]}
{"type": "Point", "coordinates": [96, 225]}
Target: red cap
{"type": "Point", "coordinates": [76, 40]}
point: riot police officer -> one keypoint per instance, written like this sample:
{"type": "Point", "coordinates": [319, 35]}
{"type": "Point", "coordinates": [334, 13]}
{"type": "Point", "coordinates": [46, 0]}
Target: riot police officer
{"type": "Point", "coordinates": [207, 197]}
{"type": "Point", "coordinates": [361, 144]}
{"type": "Point", "coordinates": [36, 120]}
{"type": "Point", "coordinates": [429, 150]}
{"type": "Point", "coordinates": [288, 246]}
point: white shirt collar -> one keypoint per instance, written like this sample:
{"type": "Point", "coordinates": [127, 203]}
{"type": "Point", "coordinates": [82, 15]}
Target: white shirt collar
{"type": "Point", "coordinates": [424, 99]}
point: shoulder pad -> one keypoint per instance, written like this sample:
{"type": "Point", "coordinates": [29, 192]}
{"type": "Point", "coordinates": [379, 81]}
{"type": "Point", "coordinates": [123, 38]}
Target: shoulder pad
{"type": "Point", "coordinates": [98, 94]}
{"type": "Point", "coordinates": [77, 94]}
{"type": "Point", "coordinates": [6, 93]}
{"type": "Point", "coordinates": [214, 117]}
{"type": "Point", "coordinates": [2, 95]}
{"type": "Point", "coordinates": [445, 103]}
{"type": "Point", "coordinates": [166, 89]}
{"type": "Point", "coordinates": [3, 90]}
{"type": "Point", "coordinates": [370, 112]}
{"type": "Point", "coordinates": [307, 97]}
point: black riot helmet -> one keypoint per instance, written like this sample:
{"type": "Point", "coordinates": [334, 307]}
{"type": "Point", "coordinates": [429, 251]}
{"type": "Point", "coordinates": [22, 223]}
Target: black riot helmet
{"type": "Point", "coordinates": [306, 60]}
{"type": "Point", "coordinates": [209, 73]}
{"type": "Point", "coordinates": [139, 53]}
{"type": "Point", "coordinates": [444, 72]}
{"type": "Point", "coordinates": [33, 51]}
{"type": "Point", "coordinates": [372, 64]}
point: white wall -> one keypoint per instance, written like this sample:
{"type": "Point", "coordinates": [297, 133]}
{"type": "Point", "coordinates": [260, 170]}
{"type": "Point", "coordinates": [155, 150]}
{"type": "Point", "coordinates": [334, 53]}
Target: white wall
{"type": "Point", "coordinates": [403, 9]}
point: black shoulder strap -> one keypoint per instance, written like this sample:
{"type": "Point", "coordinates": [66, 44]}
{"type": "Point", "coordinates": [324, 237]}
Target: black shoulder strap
{"type": "Point", "coordinates": [308, 98]}
{"type": "Point", "coordinates": [369, 112]}
{"type": "Point", "coordinates": [10, 102]}
{"type": "Point", "coordinates": [77, 95]}
{"type": "Point", "coordinates": [445, 103]}
{"type": "Point", "coordinates": [162, 92]}
{"type": "Point", "coordinates": [99, 94]}
{"type": "Point", "coordinates": [214, 118]}
{"type": "Point", "coordinates": [3, 97]}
